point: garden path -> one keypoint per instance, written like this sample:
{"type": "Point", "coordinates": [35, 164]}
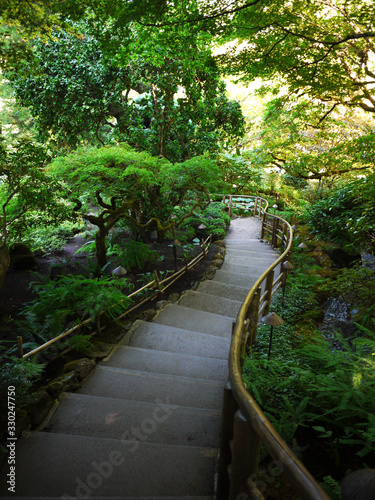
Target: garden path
{"type": "Point", "coordinates": [146, 422]}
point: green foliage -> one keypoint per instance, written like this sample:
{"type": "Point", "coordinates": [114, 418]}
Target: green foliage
{"type": "Point", "coordinates": [239, 174]}
{"type": "Point", "coordinates": [28, 195]}
{"type": "Point", "coordinates": [49, 238]}
{"type": "Point", "coordinates": [307, 384]}
{"type": "Point", "coordinates": [135, 255]}
{"type": "Point", "coordinates": [79, 91]}
{"type": "Point", "coordinates": [80, 343]}
{"type": "Point", "coordinates": [21, 374]}
{"type": "Point", "coordinates": [70, 298]}
{"type": "Point", "coordinates": [123, 183]}
{"type": "Point", "coordinates": [346, 216]}
{"type": "Point", "coordinates": [213, 217]}
{"type": "Point", "coordinates": [356, 286]}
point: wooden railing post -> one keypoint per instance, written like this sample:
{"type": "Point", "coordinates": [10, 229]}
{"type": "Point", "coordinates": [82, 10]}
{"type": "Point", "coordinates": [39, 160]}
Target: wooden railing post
{"type": "Point", "coordinates": [226, 435]}
{"type": "Point", "coordinates": [255, 206]}
{"type": "Point", "coordinates": [245, 455]}
{"type": "Point", "coordinates": [19, 347]}
{"type": "Point", "coordinates": [253, 317]}
{"type": "Point", "coordinates": [274, 232]}
{"type": "Point", "coordinates": [264, 219]}
{"type": "Point", "coordinates": [230, 206]}
{"type": "Point", "coordinates": [269, 283]}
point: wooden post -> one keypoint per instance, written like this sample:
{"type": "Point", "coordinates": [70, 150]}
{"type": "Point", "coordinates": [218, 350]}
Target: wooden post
{"type": "Point", "coordinates": [226, 435]}
{"type": "Point", "coordinates": [203, 246]}
{"type": "Point", "coordinates": [255, 206]}
{"type": "Point", "coordinates": [274, 232]}
{"type": "Point", "coordinates": [269, 283]}
{"type": "Point", "coordinates": [264, 220]}
{"type": "Point", "coordinates": [157, 280]}
{"type": "Point", "coordinates": [253, 315]}
{"type": "Point", "coordinates": [230, 205]}
{"type": "Point", "coordinates": [19, 347]}
{"type": "Point", "coordinates": [245, 455]}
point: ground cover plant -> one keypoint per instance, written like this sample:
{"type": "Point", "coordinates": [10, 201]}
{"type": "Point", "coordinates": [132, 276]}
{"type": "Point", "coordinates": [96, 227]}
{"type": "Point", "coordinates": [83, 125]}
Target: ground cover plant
{"type": "Point", "coordinates": [318, 395]}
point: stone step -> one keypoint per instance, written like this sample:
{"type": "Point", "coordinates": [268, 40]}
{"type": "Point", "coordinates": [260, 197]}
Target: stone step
{"type": "Point", "coordinates": [246, 260]}
{"type": "Point", "coordinates": [170, 338]}
{"type": "Point", "coordinates": [185, 365]}
{"type": "Point", "coordinates": [102, 417]}
{"type": "Point", "coordinates": [259, 250]}
{"type": "Point", "coordinates": [210, 303]}
{"type": "Point", "coordinates": [244, 280]}
{"type": "Point", "coordinates": [153, 387]}
{"type": "Point", "coordinates": [197, 321]}
{"type": "Point", "coordinates": [253, 269]}
{"type": "Point", "coordinates": [225, 290]}
{"type": "Point", "coordinates": [60, 465]}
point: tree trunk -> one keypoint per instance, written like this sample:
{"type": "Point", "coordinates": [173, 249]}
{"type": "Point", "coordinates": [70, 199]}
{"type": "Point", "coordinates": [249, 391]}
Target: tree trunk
{"type": "Point", "coordinates": [101, 250]}
{"type": "Point", "coordinates": [4, 263]}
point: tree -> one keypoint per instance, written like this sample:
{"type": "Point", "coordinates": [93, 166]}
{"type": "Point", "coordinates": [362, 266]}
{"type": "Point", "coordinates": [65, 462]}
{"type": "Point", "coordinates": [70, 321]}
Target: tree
{"type": "Point", "coordinates": [116, 182]}
{"type": "Point", "coordinates": [27, 194]}
{"type": "Point", "coordinates": [321, 49]}
{"type": "Point", "coordinates": [78, 93]}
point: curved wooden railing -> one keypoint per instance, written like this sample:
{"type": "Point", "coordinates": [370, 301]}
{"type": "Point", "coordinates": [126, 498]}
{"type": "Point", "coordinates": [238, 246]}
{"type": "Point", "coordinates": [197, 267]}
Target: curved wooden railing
{"type": "Point", "coordinates": [244, 425]}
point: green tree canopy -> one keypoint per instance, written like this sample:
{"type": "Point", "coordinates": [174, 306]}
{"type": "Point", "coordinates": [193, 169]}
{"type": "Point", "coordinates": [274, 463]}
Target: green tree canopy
{"type": "Point", "coordinates": [116, 182]}
{"type": "Point", "coordinates": [78, 93]}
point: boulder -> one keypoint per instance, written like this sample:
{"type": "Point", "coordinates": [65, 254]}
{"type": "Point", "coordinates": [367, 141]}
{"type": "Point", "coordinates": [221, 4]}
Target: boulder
{"type": "Point", "coordinates": [21, 257]}
{"type": "Point", "coordinates": [39, 407]}
{"type": "Point", "coordinates": [67, 383]}
{"type": "Point", "coordinates": [82, 367]}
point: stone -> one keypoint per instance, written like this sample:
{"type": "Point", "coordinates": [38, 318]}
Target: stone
{"type": "Point", "coordinates": [82, 367]}
{"type": "Point", "coordinates": [39, 407]}
{"type": "Point", "coordinates": [21, 257]}
{"type": "Point", "coordinates": [161, 304]}
{"type": "Point", "coordinates": [67, 383]}
{"type": "Point", "coordinates": [119, 271]}
{"type": "Point", "coordinates": [147, 315]}
{"type": "Point", "coordinates": [173, 297]}
{"type": "Point", "coordinates": [102, 349]}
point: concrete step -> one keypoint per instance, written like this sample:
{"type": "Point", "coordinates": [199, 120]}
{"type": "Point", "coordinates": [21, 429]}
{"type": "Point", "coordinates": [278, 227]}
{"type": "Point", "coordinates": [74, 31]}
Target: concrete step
{"type": "Point", "coordinates": [172, 339]}
{"type": "Point", "coordinates": [256, 249]}
{"type": "Point", "coordinates": [58, 465]}
{"type": "Point", "coordinates": [197, 321]}
{"type": "Point", "coordinates": [247, 260]}
{"type": "Point", "coordinates": [210, 303]}
{"type": "Point", "coordinates": [225, 290]}
{"type": "Point", "coordinates": [244, 280]}
{"type": "Point", "coordinates": [185, 365]}
{"type": "Point", "coordinates": [153, 387]}
{"type": "Point", "coordinates": [252, 268]}
{"type": "Point", "coordinates": [83, 415]}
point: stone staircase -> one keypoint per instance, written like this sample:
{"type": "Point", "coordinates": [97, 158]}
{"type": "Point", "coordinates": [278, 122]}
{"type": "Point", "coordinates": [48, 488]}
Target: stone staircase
{"type": "Point", "coordinates": [146, 422]}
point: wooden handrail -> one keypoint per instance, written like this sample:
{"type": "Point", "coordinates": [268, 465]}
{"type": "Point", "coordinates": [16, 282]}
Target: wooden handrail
{"type": "Point", "coordinates": [155, 284]}
{"type": "Point", "coordinates": [239, 483]}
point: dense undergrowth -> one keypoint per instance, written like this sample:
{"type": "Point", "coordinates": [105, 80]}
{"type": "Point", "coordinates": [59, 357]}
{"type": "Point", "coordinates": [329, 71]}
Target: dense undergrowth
{"type": "Point", "coordinates": [319, 395]}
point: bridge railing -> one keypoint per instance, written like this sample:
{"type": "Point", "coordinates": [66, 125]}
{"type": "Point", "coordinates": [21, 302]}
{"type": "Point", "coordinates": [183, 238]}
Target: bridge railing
{"type": "Point", "coordinates": [244, 425]}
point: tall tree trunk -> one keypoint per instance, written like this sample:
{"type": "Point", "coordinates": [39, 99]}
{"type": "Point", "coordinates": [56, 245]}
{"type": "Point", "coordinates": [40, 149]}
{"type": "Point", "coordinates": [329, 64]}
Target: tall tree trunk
{"type": "Point", "coordinates": [101, 250]}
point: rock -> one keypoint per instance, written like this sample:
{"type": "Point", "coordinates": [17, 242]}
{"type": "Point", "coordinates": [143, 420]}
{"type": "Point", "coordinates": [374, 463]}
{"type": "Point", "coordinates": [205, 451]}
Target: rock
{"type": "Point", "coordinates": [4, 263]}
{"type": "Point", "coordinates": [147, 315]}
{"type": "Point", "coordinates": [82, 367]}
{"type": "Point", "coordinates": [359, 485]}
{"type": "Point", "coordinates": [174, 297]}
{"type": "Point", "coordinates": [161, 304]}
{"type": "Point", "coordinates": [102, 349]}
{"type": "Point", "coordinates": [119, 271]}
{"type": "Point", "coordinates": [39, 407]}
{"type": "Point", "coordinates": [21, 257]}
{"type": "Point", "coordinates": [66, 383]}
